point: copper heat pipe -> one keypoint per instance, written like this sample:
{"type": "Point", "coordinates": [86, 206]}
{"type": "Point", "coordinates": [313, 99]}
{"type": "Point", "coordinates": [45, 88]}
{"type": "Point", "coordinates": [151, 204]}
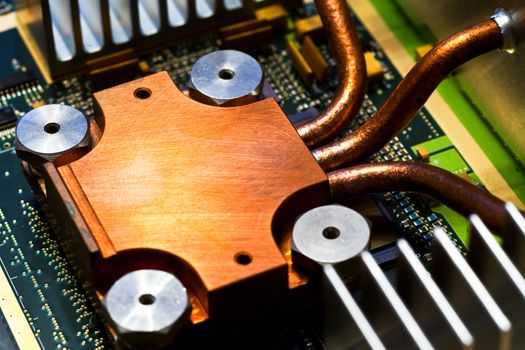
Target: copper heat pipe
{"type": "Point", "coordinates": [410, 95]}
{"type": "Point", "coordinates": [444, 186]}
{"type": "Point", "coordinates": [346, 48]}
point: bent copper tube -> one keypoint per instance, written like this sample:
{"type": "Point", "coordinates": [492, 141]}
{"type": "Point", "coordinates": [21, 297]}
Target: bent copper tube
{"type": "Point", "coordinates": [351, 69]}
{"type": "Point", "coordinates": [444, 186]}
{"type": "Point", "coordinates": [410, 95]}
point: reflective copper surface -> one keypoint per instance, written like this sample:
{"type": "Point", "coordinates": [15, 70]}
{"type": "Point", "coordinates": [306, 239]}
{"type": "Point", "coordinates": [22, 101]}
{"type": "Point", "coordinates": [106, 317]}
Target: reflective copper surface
{"type": "Point", "coordinates": [444, 186]}
{"type": "Point", "coordinates": [409, 96]}
{"type": "Point", "coordinates": [351, 69]}
{"type": "Point", "coordinates": [197, 190]}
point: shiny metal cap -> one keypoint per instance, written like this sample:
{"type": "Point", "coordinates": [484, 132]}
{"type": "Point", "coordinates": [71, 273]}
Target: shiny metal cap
{"type": "Point", "coordinates": [51, 131]}
{"type": "Point", "coordinates": [226, 77]}
{"type": "Point", "coordinates": [147, 308]}
{"type": "Point", "coordinates": [331, 234]}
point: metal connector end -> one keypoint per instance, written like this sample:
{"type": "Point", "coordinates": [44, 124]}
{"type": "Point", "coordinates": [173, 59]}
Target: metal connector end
{"type": "Point", "coordinates": [512, 26]}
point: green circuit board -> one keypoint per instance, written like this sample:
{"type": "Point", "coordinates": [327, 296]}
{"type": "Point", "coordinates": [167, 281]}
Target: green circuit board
{"type": "Point", "coordinates": [40, 276]}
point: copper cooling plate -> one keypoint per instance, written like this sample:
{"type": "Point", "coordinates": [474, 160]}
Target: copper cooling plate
{"type": "Point", "coordinates": [188, 187]}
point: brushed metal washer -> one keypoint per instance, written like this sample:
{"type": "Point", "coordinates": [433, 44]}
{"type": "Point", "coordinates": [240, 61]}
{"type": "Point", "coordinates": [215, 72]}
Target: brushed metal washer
{"type": "Point", "coordinates": [52, 129]}
{"type": "Point", "coordinates": [226, 75]}
{"type": "Point", "coordinates": [147, 307]}
{"type": "Point", "coordinates": [330, 234]}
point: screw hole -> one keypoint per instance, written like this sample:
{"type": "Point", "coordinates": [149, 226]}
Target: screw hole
{"type": "Point", "coordinates": [142, 93]}
{"type": "Point", "coordinates": [146, 299]}
{"type": "Point", "coordinates": [52, 128]}
{"type": "Point", "coordinates": [243, 258]}
{"type": "Point", "coordinates": [331, 232]}
{"type": "Point", "coordinates": [226, 74]}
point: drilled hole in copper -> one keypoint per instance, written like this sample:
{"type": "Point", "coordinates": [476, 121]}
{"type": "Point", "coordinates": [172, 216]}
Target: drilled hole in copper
{"type": "Point", "coordinates": [243, 258]}
{"type": "Point", "coordinates": [142, 93]}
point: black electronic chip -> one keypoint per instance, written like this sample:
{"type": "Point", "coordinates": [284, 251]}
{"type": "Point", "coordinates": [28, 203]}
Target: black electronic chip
{"type": "Point", "coordinates": [17, 79]}
{"type": "Point", "coordinates": [7, 116]}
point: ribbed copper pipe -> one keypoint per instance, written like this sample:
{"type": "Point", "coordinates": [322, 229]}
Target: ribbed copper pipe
{"type": "Point", "coordinates": [351, 70]}
{"type": "Point", "coordinates": [410, 95]}
{"type": "Point", "coordinates": [444, 186]}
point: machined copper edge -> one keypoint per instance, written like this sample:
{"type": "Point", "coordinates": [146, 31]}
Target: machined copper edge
{"type": "Point", "coordinates": [203, 192]}
{"type": "Point", "coordinates": [410, 95]}
{"type": "Point", "coordinates": [351, 69]}
{"type": "Point", "coordinates": [444, 186]}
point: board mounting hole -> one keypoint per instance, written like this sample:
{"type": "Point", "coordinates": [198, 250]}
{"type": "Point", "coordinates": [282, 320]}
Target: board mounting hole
{"type": "Point", "coordinates": [331, 232]}
{"type": "Point", "coordinates": [243, 258]}
{"type": "Point", "coordinates": [52, 128]}
{"type": "Point", "coordinates": [142, 93]}
{"type": "Point", "coordinates": [146, 299]}
{"type": "Point", "coordinates": [226, 74]}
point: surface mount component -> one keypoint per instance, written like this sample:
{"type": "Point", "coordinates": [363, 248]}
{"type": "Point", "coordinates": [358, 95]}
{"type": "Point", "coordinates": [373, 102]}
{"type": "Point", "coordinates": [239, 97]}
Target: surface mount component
{"type": "Point", "coordinates": [67, 37]}
{"type": "Point", "coordinates": [226, 78]}
{"type": "Point", "coordinates": [195, 190]}
{"type": "Point", "coordinates": [7, 117]}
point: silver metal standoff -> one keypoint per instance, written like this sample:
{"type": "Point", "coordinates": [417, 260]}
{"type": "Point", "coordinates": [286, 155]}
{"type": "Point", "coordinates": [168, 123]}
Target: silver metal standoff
{"type": "Point", "coordinates": [226, 78]}
{"type": "Point", "coordinates": [147, 308]}
{"type": "Point", "coordinates": [52, 133]}
{"type": "Point", "coordinates": [331, 234]}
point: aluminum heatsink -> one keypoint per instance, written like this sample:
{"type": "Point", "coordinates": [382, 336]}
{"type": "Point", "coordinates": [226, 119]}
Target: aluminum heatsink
{"type": "Point", "coordinates": [476, 302]}
{"type": "Point", "coordinates": [68, 36]}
